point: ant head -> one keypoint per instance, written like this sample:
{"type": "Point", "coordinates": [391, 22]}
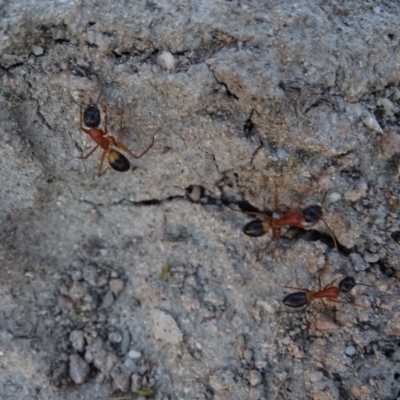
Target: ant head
{"type": "Point", "coordinates": [348, 283]}
{"type": "Point", "coordinates": [312, 214]}
{"type": "Point", "coordinates": [91, 116]}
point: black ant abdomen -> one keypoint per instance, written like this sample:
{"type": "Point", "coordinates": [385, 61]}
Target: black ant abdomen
{"type": "Point", "coordinates": [296, 300]}
{"type": "Point", "coordinates": [118, 161]}
{"type": "Point", "coordinates": [256, 228]}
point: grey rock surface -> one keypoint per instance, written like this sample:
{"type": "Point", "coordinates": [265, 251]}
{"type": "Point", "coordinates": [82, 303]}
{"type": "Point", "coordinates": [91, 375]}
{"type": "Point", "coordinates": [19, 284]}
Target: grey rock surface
{"type": "Point", "coordinates": [248, 96]}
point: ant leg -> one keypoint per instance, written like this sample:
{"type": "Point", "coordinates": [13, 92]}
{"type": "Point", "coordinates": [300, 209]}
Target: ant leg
{"type": "Point", "coordinates": [124, 148]}
{"type": "Point", "coordinates": [263, 249]}
{"type": "Point", "coordinates": [276, 233]}
{"type": "Point", "coordinates": [121, 112]}
{"type": "Point", "coordinates": [81, 115]}
{"type": "Point", "coordinates": [345, 302]}
{"type": "Point", "coordinates": [295, 288]}
{"type": "Point", "coordinates": [327, 286]}
{"type": "Point", "coordinates": [276, 198]}
{"type": "Point", "coordinates": [101, 163]}
{"type": "Point", "coordinates": [293, 312]}
{"type": "Point", "coordinates": [89, 154]}
{"type": "Point", "coordinates": [256, 214]}
{"type": "Point", "coordinates": [104, 108]}
{"type": "Point", "coordinates": [326, 308]}
{"type": "Point", "coordinates": [332, 235]}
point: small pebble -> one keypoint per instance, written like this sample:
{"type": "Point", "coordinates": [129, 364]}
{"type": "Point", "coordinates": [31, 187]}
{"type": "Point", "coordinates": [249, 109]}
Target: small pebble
{"type": "Point", "coordinates": [315, 376]}
{"type": "Point", "coordinates": [350, 351]}
{"type": "Point", "coordinates": [130, 365]}
{"type": "Point", "coordinates": [65, 303]}
{"type": "Point", "coordinates": [371, 258]}
{"type": "Point", "coordinates": [167, 61]}
{"type": "Point", "coordinates": [248, 355]}
{"type": "Point", "coordinates": [78, 368]}
{"type": "Point", "coordinates": [78, 340]}
{"type": "Point", "coordinates": [94, 277]}
{"type": "Point", "coordinates": [195, 194]}
{"type": "Point", "coordinates": [165, 328]}
{"type": "Point", "coordinates": [282, 154]}
{"type": "Point", "coordinates": [116, 286]}
{"type": "Point", "coordinates": [108, 300]}
{"type": "Point", "coordinates": [334, 196]}
{"type": "Point", "coordinates": [37, 50]}
{"type": "Point", "coordinates": [372, 123]}
{"type": "Point", "coordinates": [255, 393]}
{"type": "Point", "coordinates": [358, 262]}
{"type": "Point", "coordinates": [115, 337]}
{"type": "Point", "coordinates": [136, 382]}
{"type": "Point", "coordinates": [254, 378]}
{"type": "Point", "coordinates": [78, 290]}
{"type": "Point", "coordinates": [121, 378]}
{"type": "Point", "coordinates": [134, 354]}
{"type": "Point", "coordinates": [387, 105]}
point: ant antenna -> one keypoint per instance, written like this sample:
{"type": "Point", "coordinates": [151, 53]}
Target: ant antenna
{"type": "Point", "coordinates": [101, 92]}
{"type": "Point", "coordinates": [332, 235]}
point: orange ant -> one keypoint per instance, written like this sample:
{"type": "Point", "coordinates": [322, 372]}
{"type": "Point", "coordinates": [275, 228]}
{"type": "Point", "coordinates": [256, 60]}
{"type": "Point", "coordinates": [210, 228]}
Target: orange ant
{"type": "Point", "coordinates": [91, 118]}
{"type": "Point", "coordinates": [330, 292]}
{"type": "Point", "coordinates": [304, 219]}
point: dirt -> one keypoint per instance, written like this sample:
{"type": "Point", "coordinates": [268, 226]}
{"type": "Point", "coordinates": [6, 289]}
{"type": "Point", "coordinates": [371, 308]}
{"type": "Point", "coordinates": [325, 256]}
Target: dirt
{"type": "Point", "coordinates": [142, 284]}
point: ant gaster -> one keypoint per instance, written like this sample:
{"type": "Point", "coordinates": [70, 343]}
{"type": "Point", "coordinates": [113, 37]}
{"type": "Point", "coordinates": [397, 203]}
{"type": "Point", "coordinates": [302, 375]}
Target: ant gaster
{"type": "Point", "coordinates": [91, 117]}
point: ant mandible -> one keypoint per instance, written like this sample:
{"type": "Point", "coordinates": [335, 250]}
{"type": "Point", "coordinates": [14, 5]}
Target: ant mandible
{"type": "Point", "coordinates": [91, 118]}
{"type": "Point", "coordinates": [304, 219]}
{"type": "Point", "coordinates": [329, 292]}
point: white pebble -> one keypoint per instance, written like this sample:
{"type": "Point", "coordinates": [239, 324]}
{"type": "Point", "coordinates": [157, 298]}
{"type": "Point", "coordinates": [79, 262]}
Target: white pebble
{"type": "Point", "coordinates": [387, 105]}
{"type": "Point", "coordinates": [350, 351]}
{"type": "Point", "coordinates": [372, 123]}
{"type": "Point", "coordinates": [334, 196]}
{"type": "Point", "coordinates": [167, 61]}
{"type": "Point", "coordinates": [282, 154]}
{"type": "Point", "coordinates": [37, 50]}
{"type": "Point", "coordinates": [134, 354]}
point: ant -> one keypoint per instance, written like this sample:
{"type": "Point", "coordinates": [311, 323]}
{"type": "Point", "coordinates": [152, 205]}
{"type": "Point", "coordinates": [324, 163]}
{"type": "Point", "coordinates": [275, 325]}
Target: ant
{"type": "Point", "coordinates": [330, 292]}
{"type": "Point", "coordinates": [91, 118]}
{"type": "Point", "coordinates": [304, 219]}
